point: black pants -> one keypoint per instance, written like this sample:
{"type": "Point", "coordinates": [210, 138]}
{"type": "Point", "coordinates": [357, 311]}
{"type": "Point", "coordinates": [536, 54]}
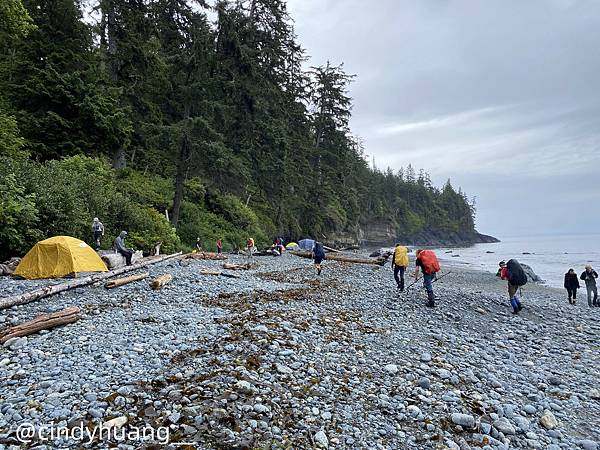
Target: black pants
{"type": "Point", "coordinates": [97, 237]}
{"type": "Point", "coordinates": [127, 254]}
{"type": "Point", "coordinates": [399, 270]}
{"type": "Point", "coordinates": [572, 293]}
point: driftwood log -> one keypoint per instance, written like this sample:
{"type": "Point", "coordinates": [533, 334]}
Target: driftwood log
{"type": "Point", "coordinates": [31, 296]}
{"type": "Point", "coordinates": [219, 273]}
{"type": "Point", "coordinates": [206, 255]}
{"type": "Point", "coordinates": [236, 266]}
{"type": "Point", "coordinates": [344, 258]}
{"type": "Point", "coordinates": [8, 267]}
{"type": "Point", "coordinates": [161, 280]}
{"type": "Point", "coordinates": [330, 249]}
{"type": "Point", "coordinates": [125, 280]}
{"type": "Point", "coordinates": [43, 322]}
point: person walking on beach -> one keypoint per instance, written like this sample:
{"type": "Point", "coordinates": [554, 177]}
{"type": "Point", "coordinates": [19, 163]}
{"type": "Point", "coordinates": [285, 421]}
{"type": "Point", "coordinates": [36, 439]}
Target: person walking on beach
{"type": "Point", "coordinates": [250, 247]}
{"type": "Point", "coordinates": [515, 276]}
{"type": "Point", "coordinates": [219, 246]}
{"type": "Point", "coordinates": [428, 262]}
{"type": "Point", "coordinates": [318, 254]}
{"type": "Point", "coordinates": [589, 275]}
{"type": "Point", "coordinates": [98, 230]}
{"type": "Point", "coordinates": [571, 285]}
{"type": "Point", "coordinates": [399, 264]}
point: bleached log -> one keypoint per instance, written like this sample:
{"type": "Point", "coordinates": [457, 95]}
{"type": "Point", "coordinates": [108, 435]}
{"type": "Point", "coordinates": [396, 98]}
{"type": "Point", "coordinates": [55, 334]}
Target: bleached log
{"type": "Point", "coordinates": [46, 291]}
{"type": "Point", "coordinates": [161, 280]}
{"type": "Point", "coordinates": [42, 322]}
{"type": "Point", "coordinates": [344, 258]}
{"type": "Point", "coordinates": [126, 280]}
{"type": "Point", "coordinates": [229, 266]}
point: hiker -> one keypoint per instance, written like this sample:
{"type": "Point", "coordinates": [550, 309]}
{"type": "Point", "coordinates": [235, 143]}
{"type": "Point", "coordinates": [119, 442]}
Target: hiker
{"type": "Point", "coordinates": [250, 247]}
{"type": "Point", "coordinates": [571, 285]}
{"type": "Point", "coordinates": [120, 247]}
{"type": "Point", "coordinates": [219, 246]}
{"type": "Point", "coordinates": [515, 276]}
{"type": "Point", "coordinates": [318, 254]}
{"type": "Point", "coordinates": [399, 264]}
{"type": "Point", "coordinates": [98, 229]}
{"type": "Point", "coordinates": [428, 262]}
{"type": "Point", "coordinates": [198, 245]}
{"type": "Point", "coordinates": [589, 275]}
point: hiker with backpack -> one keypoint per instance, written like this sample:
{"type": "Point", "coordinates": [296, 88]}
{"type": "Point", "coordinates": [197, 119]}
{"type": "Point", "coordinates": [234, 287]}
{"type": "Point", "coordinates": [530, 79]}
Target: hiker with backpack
{"type": "Point", "coordinates": [98, 230]}
{"type": "Point", "coordinates": [571, 285]}
{"type": "Point", "coordinates": [589, 275]}
{"type": "Point", "coordinates": [318, 254]}
{"type": "Point", "coordinates": [399, 264]}
{"type": "Point", "coordinates": [514, 274]}
{"type": "Point", "coordinates": [427, 261]}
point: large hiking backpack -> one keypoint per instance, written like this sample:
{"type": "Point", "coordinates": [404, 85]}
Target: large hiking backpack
{"type": "Point", "coordinates": [516, 274]}
{"type": "Point", "coordinates": [430, 262]}
{"type": "Point", "coordinates": [401, 256]}
{"type": "Point", "coordinates": [319, 251]}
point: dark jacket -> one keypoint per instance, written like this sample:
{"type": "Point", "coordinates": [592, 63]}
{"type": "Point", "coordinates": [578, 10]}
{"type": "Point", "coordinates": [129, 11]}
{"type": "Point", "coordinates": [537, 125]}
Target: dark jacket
{"type": "Point", "coordinates": [571, 281]}
{"type": "Point", "coordinates": [119, 244]}
{"type": "Point", "coordinates": [589, 277]}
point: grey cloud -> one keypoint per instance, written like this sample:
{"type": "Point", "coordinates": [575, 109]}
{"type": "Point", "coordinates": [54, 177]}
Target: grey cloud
{"type": "Point", "coordinates": [476, 92]}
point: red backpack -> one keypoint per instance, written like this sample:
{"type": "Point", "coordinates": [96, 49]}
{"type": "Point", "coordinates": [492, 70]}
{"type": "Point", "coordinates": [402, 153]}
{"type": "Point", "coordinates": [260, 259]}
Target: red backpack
{"type": "Point", "coordinates": [430, 262]}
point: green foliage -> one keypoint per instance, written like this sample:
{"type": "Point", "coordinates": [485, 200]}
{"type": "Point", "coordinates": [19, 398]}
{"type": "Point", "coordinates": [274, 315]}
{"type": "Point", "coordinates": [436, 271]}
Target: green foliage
{"type": "Point", "coordinates": [18, 218]}
{"type": "Point", "coordinates": [15, 21]}
{"type": "Point", "coordinates": [147, 228]}
{"type": "Point", "coordinates": [10, 140]}
{"type": "Point", "coordinates": [215, 121]}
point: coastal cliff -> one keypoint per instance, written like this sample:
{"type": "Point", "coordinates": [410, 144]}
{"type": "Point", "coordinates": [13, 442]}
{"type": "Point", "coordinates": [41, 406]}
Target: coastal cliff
{"type": "Point", "coordinates": [383, 233]}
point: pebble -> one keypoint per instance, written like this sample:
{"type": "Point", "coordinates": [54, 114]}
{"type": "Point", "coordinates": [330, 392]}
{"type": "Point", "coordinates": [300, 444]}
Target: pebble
{"type": "Point", "coordinates": [464, 420]}
{"type": "Point", "coordinates": [391, 368]}
{"type": "Point", "coordinates": [257, 360]}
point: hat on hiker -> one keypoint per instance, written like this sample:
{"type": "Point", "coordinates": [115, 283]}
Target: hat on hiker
{"type": "Point", "coordinates": [502, 263]}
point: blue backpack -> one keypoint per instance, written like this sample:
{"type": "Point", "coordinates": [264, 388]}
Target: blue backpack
{"type": "Point", "coordinates": [319, 251]}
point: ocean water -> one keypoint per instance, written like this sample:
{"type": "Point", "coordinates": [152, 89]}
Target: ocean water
{"type": "Point", "coordinates": [549, 256]}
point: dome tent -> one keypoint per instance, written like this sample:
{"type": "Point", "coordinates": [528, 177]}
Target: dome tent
{"type": "Point", "coordinates": [59, 256]}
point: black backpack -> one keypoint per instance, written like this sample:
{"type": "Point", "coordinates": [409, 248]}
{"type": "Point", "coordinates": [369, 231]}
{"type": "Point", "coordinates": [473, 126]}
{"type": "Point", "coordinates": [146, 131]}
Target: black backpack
{"type": "Point", "coordinates": [516, 274]}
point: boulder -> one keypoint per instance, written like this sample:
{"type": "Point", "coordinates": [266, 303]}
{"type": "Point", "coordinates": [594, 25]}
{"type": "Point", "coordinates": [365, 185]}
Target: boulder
{"type": "Point", "coordinates": [531, 275]}
{"type": "Point", "coordinates": [114, 260]}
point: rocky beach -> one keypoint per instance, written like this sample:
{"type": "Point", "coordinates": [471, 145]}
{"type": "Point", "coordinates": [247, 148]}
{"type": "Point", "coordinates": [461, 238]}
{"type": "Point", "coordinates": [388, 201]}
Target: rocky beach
{"type": "Point", "coordinates": [280, 358]}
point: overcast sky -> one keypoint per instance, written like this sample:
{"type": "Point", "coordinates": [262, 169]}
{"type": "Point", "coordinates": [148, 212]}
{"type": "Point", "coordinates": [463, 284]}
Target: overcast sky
{"type": "Point", "coordinates": [500, 96]}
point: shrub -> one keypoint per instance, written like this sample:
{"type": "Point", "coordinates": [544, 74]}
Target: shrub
{"type": "Point", "coordinates": [18, 218]}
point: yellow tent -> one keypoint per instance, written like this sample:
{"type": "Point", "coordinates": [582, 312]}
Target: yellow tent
{"type": "Point", "coordinates": [59, 256]}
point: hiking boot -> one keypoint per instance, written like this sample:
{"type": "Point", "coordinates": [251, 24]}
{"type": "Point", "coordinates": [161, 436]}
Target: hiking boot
{"type": "Point", "coordinates": [520, 307]}
{"type": "Point", "coordinates": [430, 300]}
{"type": "Point", "coordinates": [318, 271]}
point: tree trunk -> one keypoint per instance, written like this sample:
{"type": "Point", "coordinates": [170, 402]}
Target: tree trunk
{"type": "Point", "coordinates": [31, 296]}
{"type": "Point", "coordinates": [206, 255]}
{"type": "Point", "coordinates": [161, 280]}
{"type": "Point", "coordinates": [343, 258]}
{"type": "Point", "coordinates": [43, 322]}
{"type": "Point", "coordinates": [236, 266]}
{"type": "Point", "coordinates": [182, 165]}
{"type": "Point", "coordinates": [126, 280]}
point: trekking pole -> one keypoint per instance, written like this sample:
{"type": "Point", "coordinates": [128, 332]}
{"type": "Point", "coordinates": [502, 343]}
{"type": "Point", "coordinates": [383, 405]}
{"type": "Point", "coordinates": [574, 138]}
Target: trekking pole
{"type": "Point", "coordinates": [439, 278]}
{"type": "Point", "coordinates": [419, 279]}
